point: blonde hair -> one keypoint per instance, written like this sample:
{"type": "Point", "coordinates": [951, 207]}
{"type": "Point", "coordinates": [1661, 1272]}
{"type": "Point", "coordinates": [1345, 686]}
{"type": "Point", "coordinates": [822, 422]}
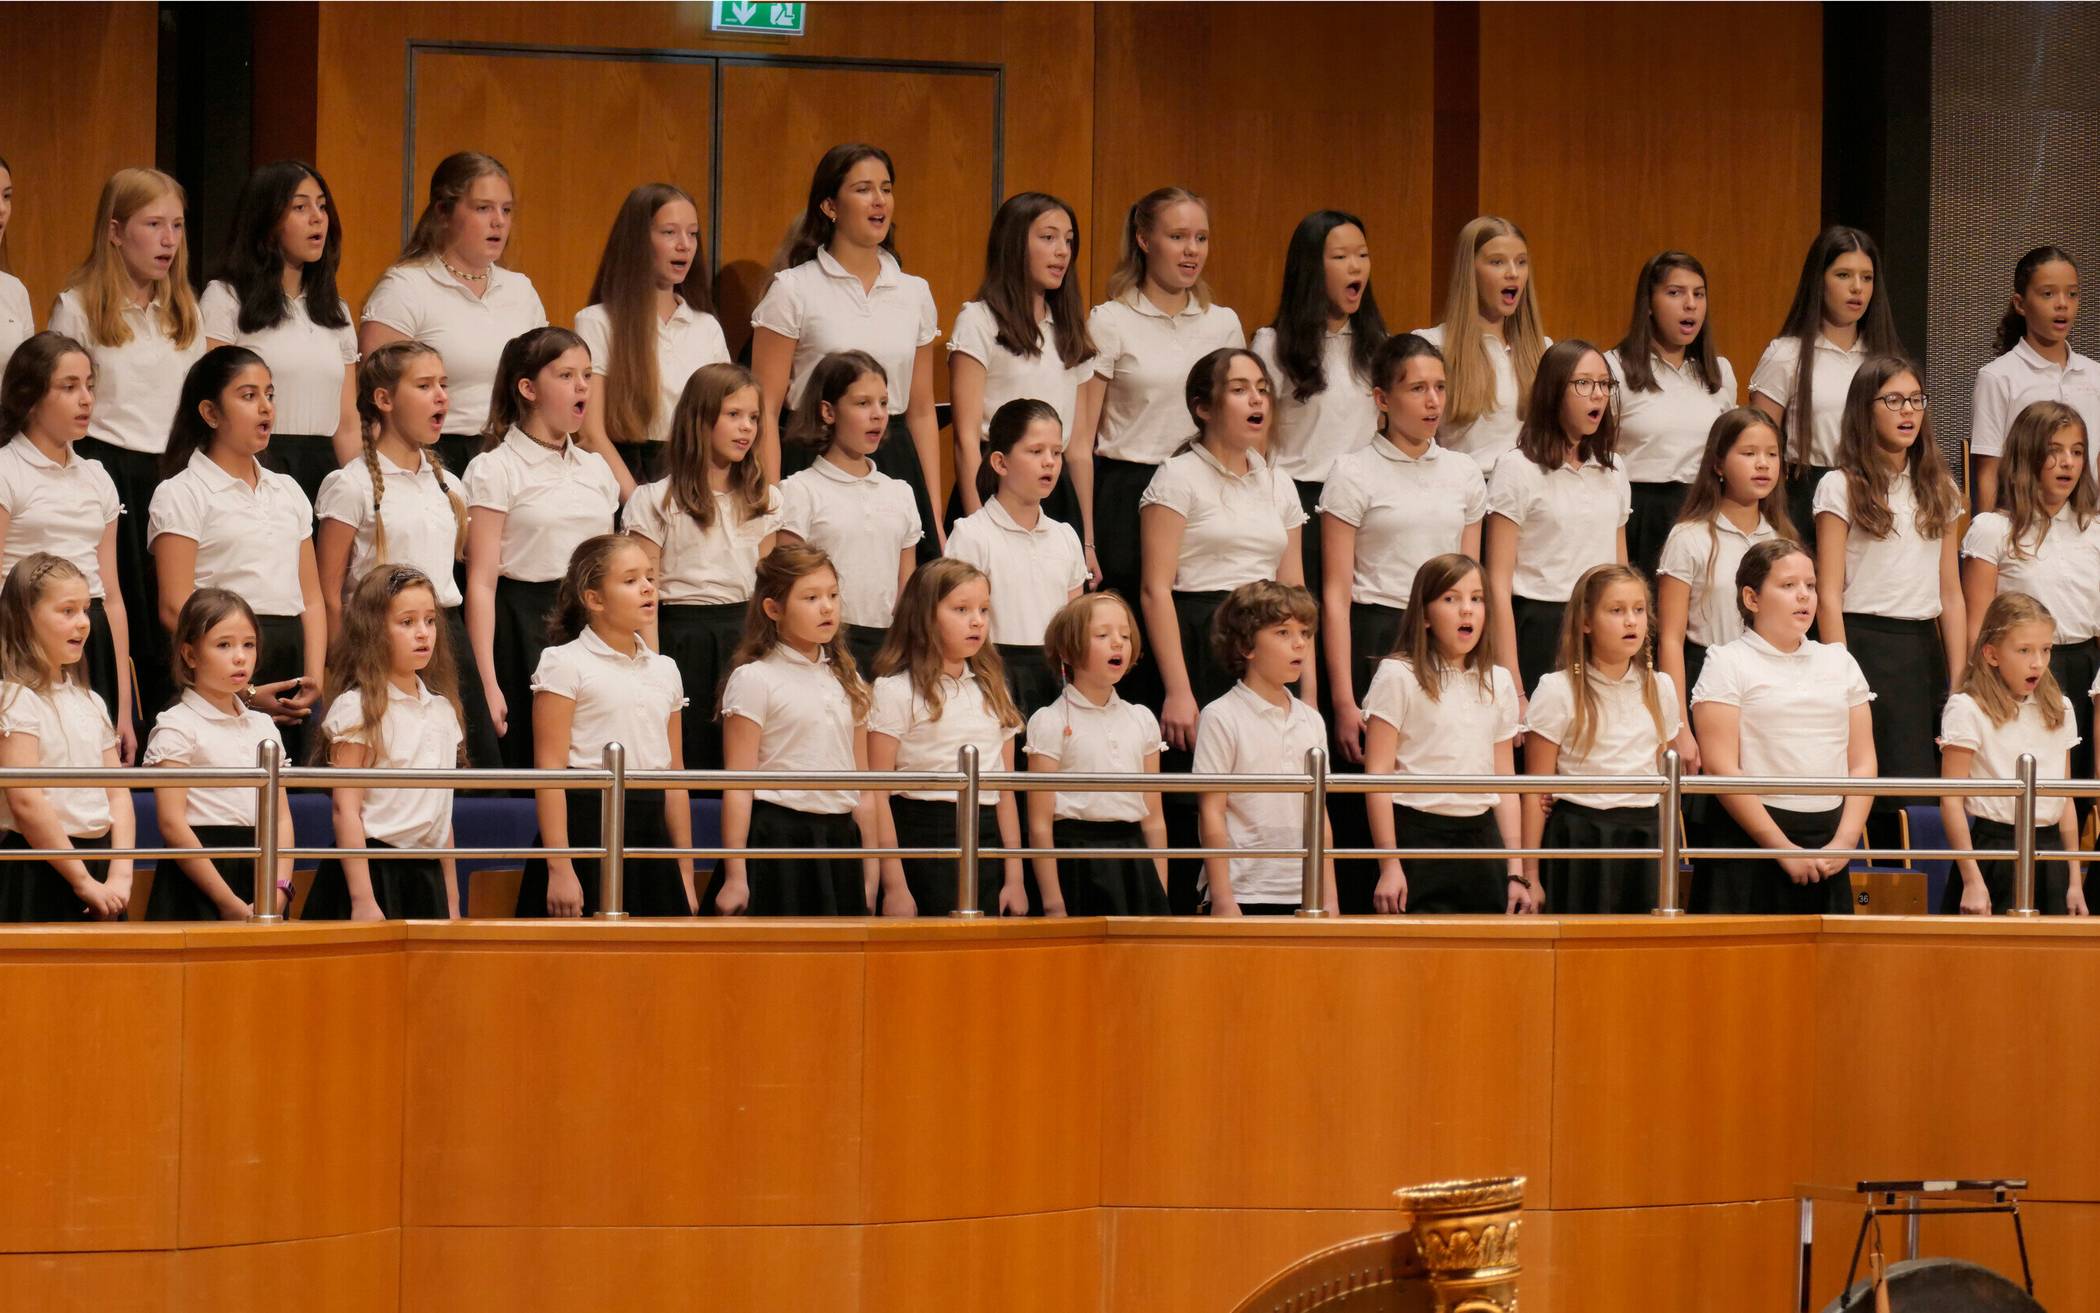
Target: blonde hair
{"type": "Point", "coordinates": [913, 645]}
{"type": "Point", "coordinates": [1065, 638]}
{"type": "Point", "coordinates": [361, 664]}
{"type": "Point", "coordinates": [784, 567]}
{"type": "Point", "coordinates": [1469, 376]}
{"type": "Point", "coordinates": [2020, 487]}
{"type": "Point", "coordinates": [1982, 682]}
{"type": "Point", "coordinates": [383, 368]}
{"type": "Point", "coordinates": [1129, 274]}
{"type": "Point", "coordinates": [104, 284]}
{"type": "Point", "coordinates": [454, 176]}
{"type": "Point", "coordinates": [1417, 643]}
{"type": "Point", "coordinates": [1575, 655]}
{"type": "Point", "coordinates": [22, 660]}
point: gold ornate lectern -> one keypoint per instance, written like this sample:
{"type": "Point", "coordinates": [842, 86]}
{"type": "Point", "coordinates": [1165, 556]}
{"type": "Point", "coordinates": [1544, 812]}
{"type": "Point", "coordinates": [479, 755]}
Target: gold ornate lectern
{"type": "Point", "coordinates": [1457, 1255]}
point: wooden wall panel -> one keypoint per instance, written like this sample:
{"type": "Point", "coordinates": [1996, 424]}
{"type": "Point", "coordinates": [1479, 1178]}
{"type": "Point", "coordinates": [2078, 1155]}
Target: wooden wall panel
{"type": "Point", "coordinates": [1657, 1042]}
{"type": "Point", "coordinates": [1041, 1263]}
{"type": "Point", "coordinates": [90, 1096]}
{"type": "Point", "coordinates": [1606, 144]}
{"type": "Point", "coordinates": [1194, 1260]}
{"type": "Point", "coordinates": [1292, 1072]}
{"type": "Point", "coordinates": [623, 123]}
{"type": "Point", "coordinates": [334, 1274]}
{"type": "Point", "coordinates": [1731, 1258]}
{"type": "Point", "coordinates": [79, 106]}
{"type": "Point", "coordinates": [133, 1282]}
{"type": "Point", "coordinates": [2059, 1247]}
{"type": "Point", "coordinates": [1271, 114]}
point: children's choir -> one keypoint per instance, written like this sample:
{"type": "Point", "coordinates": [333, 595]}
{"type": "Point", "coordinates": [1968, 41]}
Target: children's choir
{"type": "Point", "coordinates": [440, 532]}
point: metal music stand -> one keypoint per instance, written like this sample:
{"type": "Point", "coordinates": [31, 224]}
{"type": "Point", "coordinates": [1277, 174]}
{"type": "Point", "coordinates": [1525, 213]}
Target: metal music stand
{"type": "Point", "coordinates": [1913, 1200]}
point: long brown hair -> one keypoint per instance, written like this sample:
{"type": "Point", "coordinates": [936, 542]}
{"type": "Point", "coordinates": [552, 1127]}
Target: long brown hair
{"type": "Point", "coordinates": [588, 566]}
{"type": "Point", "coordinates": [27, 380]}
{"type": "Point", "coordinates": [1638, 346]}
{"type": "Point", "coordinates": [1702, 504]}
{"type": "Point", "coordinates": [813, 231]}
{"type": "Point", "coordinates": [1007, 293]}
{"type": "Point", "coordinates": [1867, 476]}
{"type": "Point", "coordinates": [828, 382]}
{"type": "Point", "coordinates": [1470, 375]}
{"type": "Point", "coordinates": [454, 176]}
{"type": "Point", "coordinates": [381, 369]}
{"type": "Point", "coordinates": [784, 567]}
{"type": "Point", "coordinates": [360, 661]}
{"type": "Point", "coordinates": [1417, 645]}
{"type": "Point", "coordinates": [1542, 439]}
{"type": "Point", "coordinates": [2020, 489]}
{"type": "Point", "coordinates": [1129, 274]}
{"type": "Point", "coordinates": [201, 612]}
{"type": "Point", "coordinates": [102, 281]}
{"type": "Point", "coordinates": [625, 285]}
{"type": "Point", "coordinates": [1804, 323]}
{"type": "Point", "coordinates": [22, 659]}
{"type": "Point", "coordinates": [913, 644]}
{"type": "Point", "coordinates": [1982, 682]}
{"type": "Point", "coordinates": [524, 356]}
{"type": "Point", "coordinates": [1575, 656]}
{"type": "Point", "coordinates": [691, 448]}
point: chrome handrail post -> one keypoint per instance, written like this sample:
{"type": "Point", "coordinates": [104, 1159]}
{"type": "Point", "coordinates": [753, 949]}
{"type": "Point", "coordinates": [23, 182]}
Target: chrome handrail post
{"type": "Point", "coordinates": [2023, 840]}
{"type": "Point", "coordinates": [1666, 899]}
{"type": "Point", "coordinates": [612, 831]}
{"type": "Point", "coordinates": [966, 806]}
{"type": "Point", "coordinates": [1310, 903]}
{"type": "Point", "coordinates": [270, 756]}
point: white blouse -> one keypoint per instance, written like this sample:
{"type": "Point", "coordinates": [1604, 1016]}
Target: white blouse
{"type": "Point", "coordinates": [1032, 571]}
{"type": "Point", "coordinates": [422, 529]}
{"type": "Point", "coordinates": [927, 744]}
{"type": "Point", "coordinates": [2021, 377]}
{"type": "Point", "coordinates": [551, 501]}
{"type": "Point", "coordinates": [1897, 576]}
{"type": "Point", "coordinates": [687, 340]}
{"type": "Point", "coordinates": [1623, 740]}
{"type": "Point", "coordinates": [1998, 749]}
{"type": "Point", "coordinates": [61, 509]}
{"type": "Point", "coordinates": [1114, 738]}
{"type": "Point", "coordinates": [1687, 554]}
{"type": "Point", "coordinates": [825, 308]}
{"type": "Point", "coordinates": [702, 567]}
{"type": "Point", "coordinates": [1662, 434]}
{"type": "Point", "coordinates": [1796, 710]}
{"type": "Point", "coordinates": [805, 722]}
{"type": "Point", "coordinates": [247, 538]}
{"type": "Point", "coordinates": [864, 523]}
{"type": "Point", "coordinates": [1311, 435]}
{"type": "Point", "coordinates": [419, 731]}
{"type": "Point", "coordinates": [1454, 733]}
{"type": "Point", "coordinates": [1009, 376]}
{"type": "Point", "coordinates": [1243, 733]}
{"type": "Point", "coordinates": [1146, 354]}
{"type": "Point", "coordinates": [2062, 571]}
{"type": "Point", "coordinates": [619, 699]}
{"type": "Point", "coordinates": [1237, 525]}
{"type": "Point", "coordinates": [137, 385]}
{"type": "Point", "coordinates": [1405, 510]}
{"type": "Point", "coordinates": [1568, 519]}
{"type": "Point", "coordinates": [307, 362]}
{"type": "Point", "coordinates": [195, 733]}
{"type": "Point", "coordinates": [71, 727]}
{"type": "Point", "coordinates": [427, 303]}
{"type": "Point", "coordinates": [1831, 374]}
{"type": "Point", "coordinates": [17, 320]}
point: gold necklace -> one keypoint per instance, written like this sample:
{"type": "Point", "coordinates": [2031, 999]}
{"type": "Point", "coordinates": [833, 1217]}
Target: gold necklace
{"type": "Point", "coordinates": [462, 274]}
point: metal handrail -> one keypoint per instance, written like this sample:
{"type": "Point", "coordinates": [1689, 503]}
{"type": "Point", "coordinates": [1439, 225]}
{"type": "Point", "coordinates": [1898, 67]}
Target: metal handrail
{"type": "Point", "coordinates": [270, 777]}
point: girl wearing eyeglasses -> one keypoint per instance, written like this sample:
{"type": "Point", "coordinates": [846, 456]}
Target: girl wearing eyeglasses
{"type": "Point", "coordinates": [1557, 505]}
{"type": "Point", "coordinates": [1888, 568]}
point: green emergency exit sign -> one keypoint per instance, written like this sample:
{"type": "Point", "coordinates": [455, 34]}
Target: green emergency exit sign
{"type": "Point", "coordinates": [762, 17]}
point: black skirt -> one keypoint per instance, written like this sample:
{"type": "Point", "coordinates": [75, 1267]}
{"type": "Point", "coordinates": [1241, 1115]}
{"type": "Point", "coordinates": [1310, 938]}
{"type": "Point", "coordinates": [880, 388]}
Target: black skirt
{"type": "Point", "coordinates": [1209, 679]}
{"type": "Point", "coordinates": [455, 450]}
{"type": "Point", "coordinates": [1906, 666]}
{"type": "Point", "coordinates": [799, 886]}
{"type": "Point", "coordinates": [864, 641]}
{"type": "Point", "coordinates": [653, 886]}
{"type": "Point", "coordinates": [35, 891]}
{"type": "Point", "coordinates": [1029, 679]}
{"type": "Point", "coordinates": [406, 888]}
{"type": "Point", "coordinates": [1538, 638]}
{"type": "Point", "coordinates": [308, 458]}
{"type": "Point", "coordinates": [1756, 886]}
{"type": "Point", "coordinates": [1118, 484]}
{"type": "Point", "coordinates": [136, 475]}
{"type": "Point", "coordinates": [1106, 886]}
{"type": "Point", "coordinates": [1309, 553]}
{"type": "Point", "coordinates": [484, 750]}
{"type": "Point", "coordinates": [175, 895]}
{"type": "Point", "coordinates": [1621, 886]}
{"type": "Point", "coordinates": [896, 457]}
{"type": "Point", "coordinates": [646, 462]}
{"type": "Point", "coordinates": [2051, 879]}
{"type": "Point", "coordinates": [1374, 630]}
{"type": "Point", "coordinates": [522, 610]}
{"type": "Point", "coordinates": [1194, 615]}
{"type": "Point", "coordinates": [104, 671]}
{"type": "Point", "coordinates": [2075, 665]}
{"type": "Point", "coordinates": [280, 655]}
{"type": "Point", "coordinates": [1655, 507]}
{"type": "Point", "coordinates": [921, 823]}
{"type": "Point", "coordinates": [1801, 501]}
{"type": "Point", "coordinates": [1451, 884]}
{"type": "Point", "coordinates": [701, 639]}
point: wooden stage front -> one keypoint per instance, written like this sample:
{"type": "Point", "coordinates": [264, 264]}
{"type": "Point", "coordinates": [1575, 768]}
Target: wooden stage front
{"type": "Point", "coordinates": [1070, 1117]}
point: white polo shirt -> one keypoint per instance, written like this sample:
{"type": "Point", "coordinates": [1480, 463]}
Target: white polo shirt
{"type": "Point", "coordinates": [2021, 377]}
{"type": "Point", "coordinates": [1115, 738]}
{"type": "Point", "coordinates": [1338, 419]}
{"type": "Point", "coordinates": [1833, 369]}
{"type": "Point", "coordinates": [195, 733]}
{"type": "Point", "coordinates": [551, 500]}
{"type": "Point", "coordinates": [824, 309]}
{"type": "Point", "coordinates": [702, 566]}
{"type": "Point", "coordinates": [1494, 430]}
{"type": "Point", "coordinates": [60, 509]}
{"type": "Point", "coordinates": [307, 362]}
{"type": "Point", "coordinates": [1033, 571]}
{"type": "Point", "coordinates": [1454, 733]}
{"type": "Point", "coordinates": [1568, 519]}
{"type": "Point", "coordinates": [137, 385]}
{"type": "Point", "coordinates": [1237, 524]}
{"type": "Point", "coordinates": [864, 522]}
{"type": "Point", "coordinates": [1146, 354]}
{"type": "Point", "coordinates": [805, 722]}
{"type": "Point", "coordinates": [1623, 742]}
{"type": "Point", "coordinates": [1243, 733]}
{"type": "Point", "coordinates": [418, 730]}
{"type": "Point", "coordinates": [247, 538]}
{"type": "Point", "coordinates": [687, 340]}
{"type": "Point", "coordinates": [1009, 376]}
{"type": "Point", "coordinates": [1662, 434]}
{"type": "Point", "coordinates": [619, 699]}
{"type": "Point", "coordinates": [421, 528]}
{"type": "Point", "coordinates": [1897, 576]}
{"type": "Point", "coordinates": [428, 304]}
{"type": "Point", "coordinates": [2062, 571]}
{"type": "Point", "coordinates": [924, 743]}
{"type": "Point", "coordinates": [1711, 619]}
{"type": "Point", "coordinates": [1998, 748]}
{"type": "Point", "coordinates": [1796, 710]}
{"type": "Point", "coordinates": [17, 320]}
{"type": "Point", "coordinates": [72, 728]}
{"type": "Point", "coordinates": [1405, 510]}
